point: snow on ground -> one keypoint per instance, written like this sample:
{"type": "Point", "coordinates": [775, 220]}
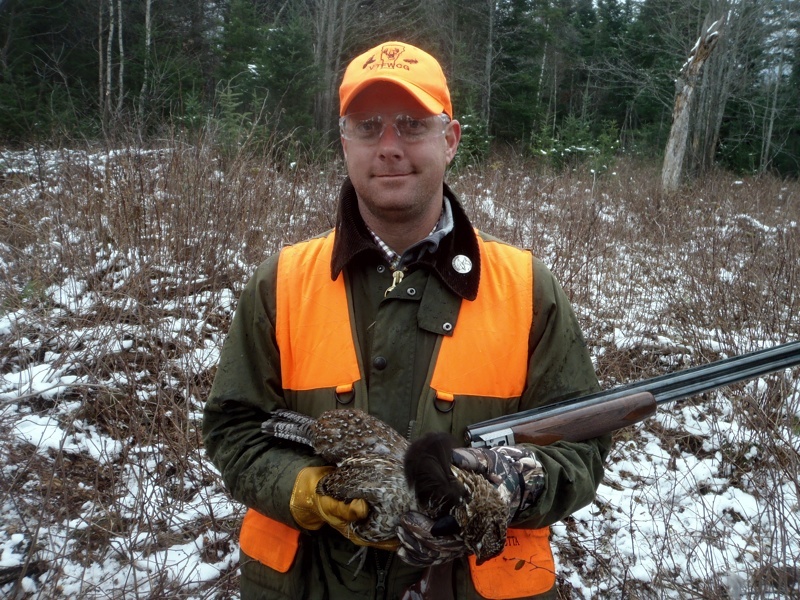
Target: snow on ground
{"type": "Point", "coordinates": [106, 492]}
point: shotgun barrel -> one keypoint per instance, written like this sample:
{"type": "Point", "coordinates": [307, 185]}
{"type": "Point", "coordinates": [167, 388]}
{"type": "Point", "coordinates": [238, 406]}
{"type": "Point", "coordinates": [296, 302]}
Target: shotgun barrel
{"type": "Point", "coordinates": [596, 414]}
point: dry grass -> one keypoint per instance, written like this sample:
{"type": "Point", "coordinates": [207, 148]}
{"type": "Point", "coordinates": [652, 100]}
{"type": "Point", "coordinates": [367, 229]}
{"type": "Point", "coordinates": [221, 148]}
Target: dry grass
{"type": "Point", "coordinates": [159, 237]}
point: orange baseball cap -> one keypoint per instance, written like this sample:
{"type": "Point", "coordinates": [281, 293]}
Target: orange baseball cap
{"type": "Point", "coordinates": [412, 69]}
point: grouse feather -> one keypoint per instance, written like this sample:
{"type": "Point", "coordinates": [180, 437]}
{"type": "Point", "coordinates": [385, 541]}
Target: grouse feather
{"type": "Point", "coordinates": [377, 464]}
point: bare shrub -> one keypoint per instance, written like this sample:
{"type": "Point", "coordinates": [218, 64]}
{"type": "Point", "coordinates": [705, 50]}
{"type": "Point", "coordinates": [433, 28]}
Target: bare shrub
{"type": "Point", "coordinates": [662, 283]}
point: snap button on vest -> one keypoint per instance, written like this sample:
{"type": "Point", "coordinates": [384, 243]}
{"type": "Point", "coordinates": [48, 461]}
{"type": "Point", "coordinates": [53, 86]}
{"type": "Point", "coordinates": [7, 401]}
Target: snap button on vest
{"type": "Point", "coordinates": [379, 363]}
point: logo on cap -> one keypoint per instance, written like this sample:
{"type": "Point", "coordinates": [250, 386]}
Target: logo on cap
{"type": "Point", "coordinates": [389, 55]}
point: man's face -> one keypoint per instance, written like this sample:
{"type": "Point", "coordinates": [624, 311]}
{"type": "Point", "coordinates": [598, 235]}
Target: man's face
{"type": "Point", "coordinates": [397, 181]}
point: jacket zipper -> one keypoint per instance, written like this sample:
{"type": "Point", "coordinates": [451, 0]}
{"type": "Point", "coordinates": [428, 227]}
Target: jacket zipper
{"type": "Point", "coordinates": [410, 429]}
{"type": "Point", "coordinates": [382, 572]}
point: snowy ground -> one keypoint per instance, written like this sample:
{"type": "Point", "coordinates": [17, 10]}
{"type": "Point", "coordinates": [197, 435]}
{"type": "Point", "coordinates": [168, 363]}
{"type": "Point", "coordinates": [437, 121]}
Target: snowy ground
{"type": "Point", "coordinates": [107, 350]}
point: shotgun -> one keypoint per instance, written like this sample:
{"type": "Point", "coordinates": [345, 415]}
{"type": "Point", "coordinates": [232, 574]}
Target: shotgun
{"type": "Point", "coordinates": [590, 416]}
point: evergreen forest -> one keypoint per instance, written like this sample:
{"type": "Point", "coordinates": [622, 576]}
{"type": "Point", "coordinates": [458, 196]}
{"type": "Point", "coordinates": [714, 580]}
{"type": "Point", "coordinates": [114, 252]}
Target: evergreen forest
{"type": "Point", "coordinates": [569, 80]}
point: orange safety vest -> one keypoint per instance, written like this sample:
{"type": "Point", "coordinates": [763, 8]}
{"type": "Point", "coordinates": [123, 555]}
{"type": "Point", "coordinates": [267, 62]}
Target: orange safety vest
{"type": "Point", "coordinates": [315, 339]}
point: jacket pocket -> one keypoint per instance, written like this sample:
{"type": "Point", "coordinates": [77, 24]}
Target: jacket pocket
{"type": "Point", "coordinates": [525, 568]}
{"type": "Point", "coordinates": [269, 542]}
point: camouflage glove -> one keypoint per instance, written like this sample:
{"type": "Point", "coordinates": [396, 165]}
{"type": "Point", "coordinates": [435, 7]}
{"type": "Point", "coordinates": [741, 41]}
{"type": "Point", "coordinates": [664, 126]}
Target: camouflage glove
{"type": "Point", "coordinates": [311, 510]}
{"type": "Point", "coordinates": [513, 470]}
{"type": "Point", "coordinates": [420, 547]}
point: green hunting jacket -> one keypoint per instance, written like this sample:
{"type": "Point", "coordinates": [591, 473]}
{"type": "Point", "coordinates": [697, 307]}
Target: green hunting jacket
{"type": "Point", "coordinates": [260, 472]}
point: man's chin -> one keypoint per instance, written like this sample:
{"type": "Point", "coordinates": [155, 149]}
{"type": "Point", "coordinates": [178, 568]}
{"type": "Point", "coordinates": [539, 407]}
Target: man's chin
{"type": "Point", "coordinates": [395, 210]}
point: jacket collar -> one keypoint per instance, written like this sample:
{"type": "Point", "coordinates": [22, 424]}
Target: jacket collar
{"type": "Point", "coordinates": [353, 240]}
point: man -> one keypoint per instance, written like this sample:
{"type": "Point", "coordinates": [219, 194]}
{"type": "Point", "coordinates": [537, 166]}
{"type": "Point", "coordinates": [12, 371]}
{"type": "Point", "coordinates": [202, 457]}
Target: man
{"type": "Point", "coordinates": [408, 313]}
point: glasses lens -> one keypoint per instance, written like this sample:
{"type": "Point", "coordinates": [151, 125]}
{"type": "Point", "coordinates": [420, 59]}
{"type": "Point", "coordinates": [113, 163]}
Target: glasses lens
{"type": "Point", "coordinates": [362, 127]}
{"type": "Point", "coordinates": [369, 127]}
{"type": "Point", "coordinates": [411, 129]}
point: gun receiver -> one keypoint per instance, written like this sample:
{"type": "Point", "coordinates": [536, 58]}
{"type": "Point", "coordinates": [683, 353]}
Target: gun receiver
{"type": "Point", "coordinates": [596, 414]}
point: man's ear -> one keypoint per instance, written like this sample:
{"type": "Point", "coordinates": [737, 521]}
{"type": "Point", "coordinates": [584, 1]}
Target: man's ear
{"type": "Point", "coordinates": [344, 147]}
{"type": "Point", "coordinates": [452, 136]}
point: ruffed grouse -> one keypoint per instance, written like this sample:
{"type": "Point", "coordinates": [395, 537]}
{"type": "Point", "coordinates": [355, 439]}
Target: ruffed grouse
{"type": "Point", "coordinates": [375, 463]}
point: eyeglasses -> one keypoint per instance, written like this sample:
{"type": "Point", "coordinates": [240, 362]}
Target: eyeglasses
{"type": "Point", "coordinates": [367, 128]}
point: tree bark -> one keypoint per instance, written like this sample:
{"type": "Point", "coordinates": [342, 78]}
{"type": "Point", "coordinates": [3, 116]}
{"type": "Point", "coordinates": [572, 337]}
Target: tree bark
{"type": "Point", "coordinates": [723, 78]}
{"type": "Point", "coordinates": [685, 85]}
{"type": "Point", "coordinates": [143, 94]}
{"type": "Point", "coordinates": [100, 62]}
{"type": "Point", "coordinates": [771, 114]}
{"type": "Point", "coordinates": [326, 21]}
{"type": "Point", "coordinates": [487, 65]}
{"type": "Point", "coordinates": [121, 71]}
{"type": "Point", "coordinates": [109, 47]}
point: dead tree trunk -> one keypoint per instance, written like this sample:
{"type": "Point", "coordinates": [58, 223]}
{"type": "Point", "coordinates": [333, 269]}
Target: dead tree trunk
{"type": "Point", "coordinates": [771, 115]}
{"type": "Point", "coordinates": [109, 51]}
{"type": "Point", "coordinates": [101, 76]}
{"type": "Point", "coordinates": [121, 71]}
{"type": "Point", "coordinates": [148, 37]}
{"type": "Point", "coordinates": [488, 63]}
{"type": "Point", "coordinates": [685, 85]}
{"type": "Point", "coordinates": [333, 20]}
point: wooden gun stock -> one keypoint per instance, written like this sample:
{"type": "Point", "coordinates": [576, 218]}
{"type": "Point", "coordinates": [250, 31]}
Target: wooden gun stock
{"type": "Point", "coordinates": [587, 422]}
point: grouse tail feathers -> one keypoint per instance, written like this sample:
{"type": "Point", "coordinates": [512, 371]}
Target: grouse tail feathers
{"type": "Point", "coordinates": [429, 471]}
{"type": "Point", "coordinates": [289, 425]}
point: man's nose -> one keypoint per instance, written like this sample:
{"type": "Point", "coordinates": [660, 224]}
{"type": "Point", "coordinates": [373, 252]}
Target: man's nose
{"type": "Point", "coordinates": [390, 140]}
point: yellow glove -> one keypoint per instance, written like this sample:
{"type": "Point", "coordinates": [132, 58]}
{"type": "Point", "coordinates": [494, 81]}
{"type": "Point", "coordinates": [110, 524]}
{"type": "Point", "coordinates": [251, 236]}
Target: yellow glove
{"type": "Point", "coordinates": [312, 510]}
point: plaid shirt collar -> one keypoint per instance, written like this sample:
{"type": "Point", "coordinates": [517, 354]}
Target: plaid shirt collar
{"type": "Point", "coordinates": [430, 244]}
{"type": "Point", "coordinates": [392, 257]}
